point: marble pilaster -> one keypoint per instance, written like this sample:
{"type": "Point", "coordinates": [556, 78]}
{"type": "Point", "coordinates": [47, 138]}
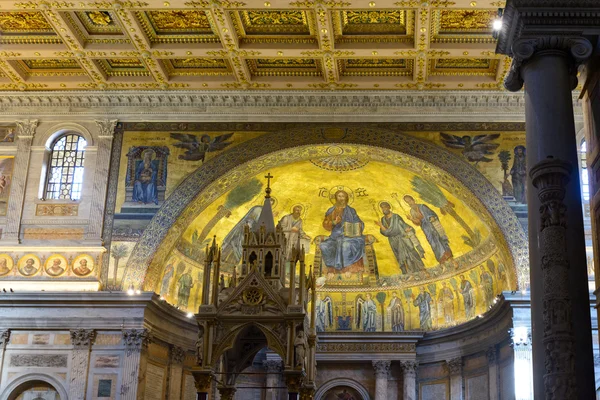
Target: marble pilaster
{"type": "Point", "coordinates": [136, 344]}
{"type": "Point", "coordinates": [4, 339]}
{"type": "Point", "coordinates": [493, 373]}
{"type": "Point", "coordinates": [104, 142]}
{"type": "Point", "coordinates": [523, 364]}
{"type": "Point", "coordinates": [455, 367]}
{"type": "Point", "coordinates": [82, 340]}
{"type": "Point", "coordinates": [25, 134]}
{"type": "Point", "coordinates": [274, 369]}
{"type": "Point", "coordinates": [176, 372]}
{"type": "Point", "coordinates": [409, 369]}
{"type": "Point", "coordinates": [382, 373]}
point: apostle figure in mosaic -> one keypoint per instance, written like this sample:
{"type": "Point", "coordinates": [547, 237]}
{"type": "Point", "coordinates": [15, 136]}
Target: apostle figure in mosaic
{"type": "Point", "coordinates": [231, 251]}
{"type": "Point", "coordinates": [145, 189]}
{"type": "Point", "coordinates": [369, 314]}
{"type": "Point", "coordinates": [396, 310]}
{"type": "Point", "coordinates": [518, 172]}
{"type": "Point", "coordinates": [446, 299]}
{"type": "Point", "coordinates": [466, 289]}
{"type": "Point", "coordinates": [166, 280]}
{"type": "Point", "coordinates": [291, 225]}
{"type": "Point", "coordinates": [427, 219]}
{"type": "Point", "coordinates": [324, 317]}
{"type": "Point", "coordinates": [405, 245]}
{"type": "Point", "coordinates": [487, 287]}
{"type": "Point", "coordinates": [186, 283]}
{"type": "Point", "coordinates": [343, 251]}
{"type": "Point", "coordinates": [423, 301]}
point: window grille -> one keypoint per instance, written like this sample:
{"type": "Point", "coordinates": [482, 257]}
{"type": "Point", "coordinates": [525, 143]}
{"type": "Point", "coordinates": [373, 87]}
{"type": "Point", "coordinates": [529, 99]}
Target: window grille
{"type": "Point", "coordinates": [65, 168]}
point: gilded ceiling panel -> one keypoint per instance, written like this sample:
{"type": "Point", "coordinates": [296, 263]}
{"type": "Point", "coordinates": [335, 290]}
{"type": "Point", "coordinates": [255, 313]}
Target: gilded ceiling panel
{"type": "Point", "coordinates": [99, 22]}
{"type": "Point", "coordinates": [178, 26]}
{"type": "Point", "coordinates": [20, 27]}
{"type": "Point", "coordinates": [375, 67]}
{"type": "Point", "coordinates": [373, 26]}
{"type": "Point", "coordinates": [274, 26]}
{"type": "Point", "coordinates": [462, 26]}
{"type": "Point", "coordinates": [463, 66]}
{"type": "Point", "coordinates": [48, 67]}
{"type": "Point", "coordinates": [285, 67]}
{"type": "Point", "coordinates": [197, 66]}
{"type": "Point", "coordinates": [123, 67]}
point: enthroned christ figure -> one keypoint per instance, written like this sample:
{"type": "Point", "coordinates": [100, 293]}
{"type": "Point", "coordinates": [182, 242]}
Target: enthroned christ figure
{"type": "Point", "coordinates": [343, 251]}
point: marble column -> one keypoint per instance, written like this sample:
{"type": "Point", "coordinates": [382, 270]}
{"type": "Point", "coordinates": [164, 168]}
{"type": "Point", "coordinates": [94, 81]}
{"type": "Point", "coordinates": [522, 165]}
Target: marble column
{"type": "Point", "coordinates": [547, 67]}
{"type": "Point", "coordinates": [136, 343]}
{"type": "Point", "coordinates": [493, 373]}
{"type": "Point", "coordinates": [25, 133]}
{"type": "Point", "coordinates": [456, 380]}
{"type": "Point", "coordinates": [82, 340]}
{"type": "Point", "coordinates": [382, 373]}
{"type": "Point", "coordinates": [274, 369]}
{"type": "Point", "coordinates": [104, 140]}
{"type": "Point", "coordinates": [177, 356]}
{"type": "Point", "coordinates": [409, 369]}
{"type": "Point", "coordinates": [4, 339]}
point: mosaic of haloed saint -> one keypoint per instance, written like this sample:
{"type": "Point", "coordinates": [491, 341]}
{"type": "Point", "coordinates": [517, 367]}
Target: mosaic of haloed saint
{"type": "Point", "coordinates": [392, 250]}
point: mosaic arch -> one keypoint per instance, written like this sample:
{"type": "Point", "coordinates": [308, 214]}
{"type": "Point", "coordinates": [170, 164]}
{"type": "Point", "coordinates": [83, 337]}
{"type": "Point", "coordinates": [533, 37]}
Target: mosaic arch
{"type": "Point", "coordinates": [343, 153]}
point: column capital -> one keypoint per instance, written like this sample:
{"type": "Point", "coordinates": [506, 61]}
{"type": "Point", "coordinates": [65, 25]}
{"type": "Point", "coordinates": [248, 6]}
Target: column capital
{"type": "Point", "coordinates": [177, 355]}
{"type": "Point", "coordinates": [202, 379]}
{"type": "Point", "coordinates": [106, 128]}
{"type": "Point", "coordinates": [492, 354]}
{"type": "Point", "coordinates": [136, 339]}
{"type": "Point", "coordinates": [26, 128]}
{"type": "Point", "coordinates": [454, 366]}
{"type": "Point", "coordinates": [4, 337]}
{"type": "Point", "coordinates": [273, 366]}
{"type": "Point", "coordinates": [409, 367]}
{"type": "Point", "coordinates": [227, 392]}
{"type": "Point", "coordinates": [82, 338]}
{"type": "Point", "coordinates": [522, 339]}
{"type": "Point", "coordinates": [382, 368]}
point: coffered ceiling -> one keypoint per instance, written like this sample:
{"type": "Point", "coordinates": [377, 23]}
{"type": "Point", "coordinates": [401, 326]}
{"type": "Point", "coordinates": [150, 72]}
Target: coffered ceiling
{"type": "Point", "coordinates": [251, 44]}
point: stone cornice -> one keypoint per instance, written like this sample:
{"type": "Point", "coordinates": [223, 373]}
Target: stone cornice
{"type": "Point", "coordinates": [224, 105]}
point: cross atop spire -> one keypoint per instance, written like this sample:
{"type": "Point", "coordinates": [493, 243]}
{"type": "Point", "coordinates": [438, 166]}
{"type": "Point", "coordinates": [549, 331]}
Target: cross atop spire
{"type": "Point", "coordinates": [268, 189]}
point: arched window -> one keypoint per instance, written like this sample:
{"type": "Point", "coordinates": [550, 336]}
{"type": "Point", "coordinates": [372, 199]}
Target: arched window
{"type": "Point", "coordinates": [65, 168]}
{"type": "Point", "coordinates": [585, 182]}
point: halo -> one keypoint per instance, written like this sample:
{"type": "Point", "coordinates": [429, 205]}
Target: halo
{"type": "Point", "coordinates": [386, 202]}
{"type": "Point", "coordinates": [152, 157]}
{"type": "Point", "coordinates": [303, 213]}
{"type": "Point", "coordinates": [336, 189]}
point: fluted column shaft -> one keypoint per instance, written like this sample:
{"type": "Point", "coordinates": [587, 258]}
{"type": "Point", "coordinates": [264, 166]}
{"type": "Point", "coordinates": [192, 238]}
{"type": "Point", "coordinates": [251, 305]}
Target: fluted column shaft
{"type": "Point", "coordinates": [82, 340]}
{"type": "Point", "coordinates": [104, 143]}
{"type": "Point", "coordinates": [456, 380]}
{"type": "Point", "coordinates": [494, 387]}
{"type": "Point", "coordinates": [176, 372]}
{"type": "Point", "coordinates": [4, 339]}
{"type": "Point", "coordinates": [547, 67]}
{"type": "Point", "coordinates": [136, 343]}
{"type": "Point", "coordinates": [382, 373]}
{"type": "Point", "coordinates": [25, 133]}
{"type": "Point", "coordinates": [409, 390]}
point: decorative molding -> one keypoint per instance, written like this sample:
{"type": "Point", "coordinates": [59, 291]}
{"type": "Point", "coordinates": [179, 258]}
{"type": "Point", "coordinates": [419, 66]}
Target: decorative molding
{"type": "Point", "coordinates": [56, 210]}
{"type": "Point", "coordinates": [217, 105]}
{"type": "Point", "coordinates": [366, 347]}
{"type": "Point", "coordinates": [492, 355]}
{"type": "Point", "coordinates": [337, 382]}
{"type": "Point", "coordinates": [82, 337]}
{"type": "Point", "coordinates": [53, 233]}
{"type": "Point", "coordinates": [382, 368]}
{"type": "Point", "coordinates": [42, 221]}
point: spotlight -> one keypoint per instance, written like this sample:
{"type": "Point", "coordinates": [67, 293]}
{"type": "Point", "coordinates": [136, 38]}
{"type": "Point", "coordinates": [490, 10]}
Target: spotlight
{"type": "Point", "coordinates": [190, 315]}
{"type": "Point", "coordinates": [523, 292]}
{"type": "Point", "coordinates": [480, 316]}
{"type": "Point", "coordinates": [162, 298]}
{"type": "Point", "coordinates": [130, 291]}
{"type": "Point", "coordinates": [497, 24]}
{"type": "Point", "coordinates": [138, 291]}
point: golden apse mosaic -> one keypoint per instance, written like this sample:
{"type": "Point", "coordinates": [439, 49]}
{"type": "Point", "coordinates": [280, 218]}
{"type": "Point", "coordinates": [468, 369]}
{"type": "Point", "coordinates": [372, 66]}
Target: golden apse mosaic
{"type": "Point", "coordinates": [220, 45]}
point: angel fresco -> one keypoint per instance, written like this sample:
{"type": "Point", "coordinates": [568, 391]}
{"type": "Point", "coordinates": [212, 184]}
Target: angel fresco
{"type": "Point", "coordinates": [324, 313]}
{"type": "Point", "coordinates": [475, 149]}
{"type": "Point", "coordinates": [196, 150]}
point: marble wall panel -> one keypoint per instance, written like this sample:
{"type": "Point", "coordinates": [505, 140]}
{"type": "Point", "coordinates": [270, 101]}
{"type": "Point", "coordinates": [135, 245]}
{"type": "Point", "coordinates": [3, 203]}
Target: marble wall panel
{"type": "Point", "coordinates": [38, 360]}
{"type": "Point", "coordinates": [507, 382]}
{"type": "Point", "coordinates": [104, 387]}
{"type": "Point", "coordinates": [477, 387]}
{"type": "Point", "coordinates": [189, 388]}
{"type": "Point", "coordinates": [434, 391]}
{"type": "Point", "coordinates": [156, 377]}
{"type": "Point", "coordinates": [106, 361]}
